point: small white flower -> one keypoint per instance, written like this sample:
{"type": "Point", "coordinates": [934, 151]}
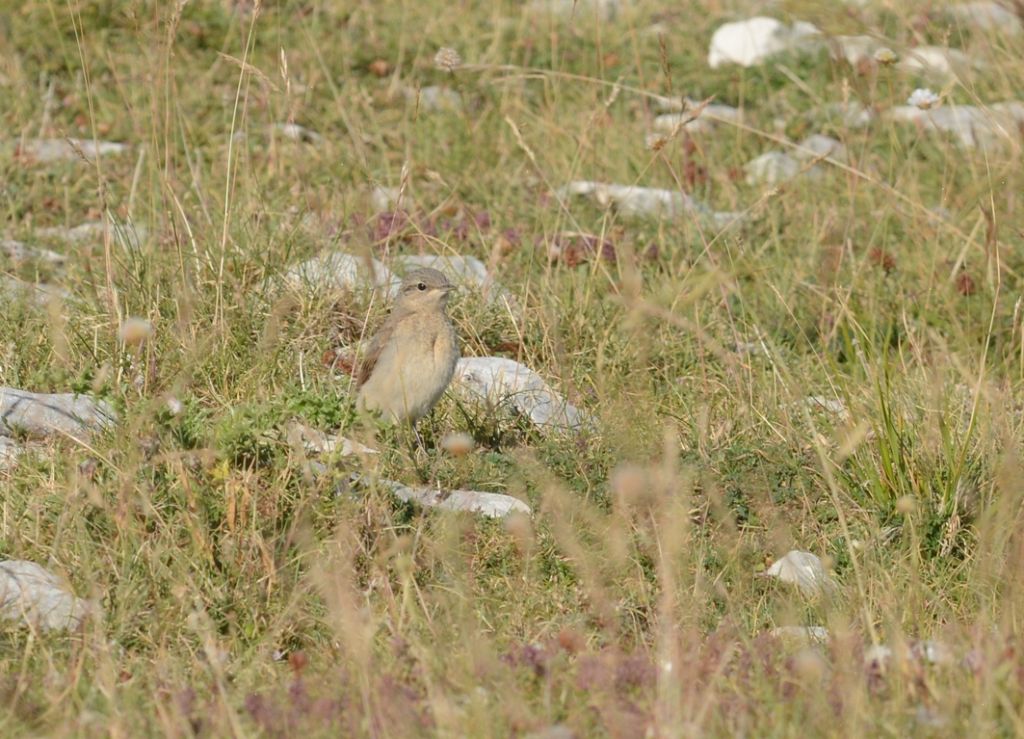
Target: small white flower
{"type": "Point", "coordinates": [447, 59]}
{"type": "Point", "coordinates": [923, 98]}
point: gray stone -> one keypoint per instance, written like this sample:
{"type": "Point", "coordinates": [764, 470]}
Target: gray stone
{"type": "Point", "coordinates": [34, 292]}
{"type": "Point", "coordinates": [987, 16]}
{"type": "Point", "coordinates": [771, 168]}
{"type": "Point", "coordinates": [37, 598]}
{"type": "Point", "coordinates": [802, 569]}
{"type": "Point", "coordinates": [95, 231]}
{"type": "Point", "coordinates": [973, 127]}
{"type": "Point", "coordinates": [498, 381]}
{"type": "Point", "coordinates": [339, 270]}
{"type": "Point", "coordinates": [22, 252]}
{"type": "Point", "coordinates": [818, 145]}
{"type": "Point", "coordinates": [492, 505]}
{"type": "Point", "coordinates": [751, 42]}
{"type": "Point", "coordinates": [633, 200]}
{"type": "Point", "coordinates": [805, 634]}
{"type": "Point", "coordinates": [55, 150]}
{"type": "Point", "coordinates": [57, 414]}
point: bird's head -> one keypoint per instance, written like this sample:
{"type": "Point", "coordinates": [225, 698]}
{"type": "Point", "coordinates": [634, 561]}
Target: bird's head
{"type": "Point", "coordinates": [424, 289]}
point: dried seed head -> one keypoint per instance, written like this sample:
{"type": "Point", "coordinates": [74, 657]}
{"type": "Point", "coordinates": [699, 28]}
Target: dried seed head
{"type": "Point", "coordinates": [886, 56]}
{"type": "Point", "coordinates": [809, 663]}
{"type": "Point", "coordinates": [380, 67]}
{"type": "Point", "coordinates": [906, 504]}
{"type": "Point", "coordinates": [457, 445]}
{"type": "Point", "coordinates": [135, 331]}
{"type": "Point", "coordinates": [521, 529]}
{"type": "Point", "coordinates": [447, 59]}
{"type": "Point", "coordinates": [630, 483]}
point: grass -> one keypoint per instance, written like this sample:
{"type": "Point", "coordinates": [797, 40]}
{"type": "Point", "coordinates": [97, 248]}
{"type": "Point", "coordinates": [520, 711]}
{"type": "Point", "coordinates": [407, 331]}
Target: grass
{"type": "Point", "coordinates": [241, 595]}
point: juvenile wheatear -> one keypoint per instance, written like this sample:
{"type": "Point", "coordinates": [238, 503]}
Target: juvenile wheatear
{"type": "Point", "coordinates": [411, 359]}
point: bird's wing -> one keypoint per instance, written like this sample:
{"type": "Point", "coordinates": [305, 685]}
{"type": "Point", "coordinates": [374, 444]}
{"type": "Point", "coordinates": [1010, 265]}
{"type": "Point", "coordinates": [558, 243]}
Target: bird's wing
{"type": "Point", "coordinates": [373, 352]}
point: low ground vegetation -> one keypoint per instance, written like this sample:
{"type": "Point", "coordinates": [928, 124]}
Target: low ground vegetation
{"type": "Point", "coordinates": [830, 361]}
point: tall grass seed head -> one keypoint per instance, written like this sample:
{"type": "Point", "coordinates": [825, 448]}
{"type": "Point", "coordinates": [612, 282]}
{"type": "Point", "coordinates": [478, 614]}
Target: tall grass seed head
{"type": "Point", "coordinates": [447, 59]}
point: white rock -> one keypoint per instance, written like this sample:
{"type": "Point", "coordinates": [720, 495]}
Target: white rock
{"type": "Point", "coordinates": [10, 450]}
{"type": "Point", "coordinates": [930, 719]}
{"type": "Point", "coordinates": [37, 598]}
{"type": "Point", "coordinates": [655, 29]}
{"type": "Point", "coordinates": [36, 292]}
{"type": "Point", "coordinates": [776, 167]}
{"type": "Point", "coordinates": [807, 33]}
{"type": "Point", "coordinates": [771, 168]}
{"type": "Point", "coordinates": [125, 233]}
{"type": "Point", "coordinates": [930, 651]}
{"type": "Point", "coordinates": [646, 201]}
{"type": "Point", "coordinates": [801, 633]}
{"type": "Point", "coordinates": [338, 270]}
{"type": "Point", "coordinates": [295, 132]}
{"type": "Point", "coordinates": [1014, 111]}
{"type": "Point", "coordinates": [385, 198]}
{"type": "Point", "coordinates": [315, 441]}
{"type": "Point", "coordinates": [987, 16]}
{"type": "Point", "coordinates": [53, 150]}
{"type": "Point", "coordinates": [936, 61]}
{"type": "Point", "coordinates": [818, 145]}
{"type": "Point", "coordinates": [606, 10]}
{"type": "Point", "coordinates": [752, 41]}
{"type": "Point", "coordinates": [346, 447]}
{"type": "Point", "coordinates": [669, 122]}
{"type": "Point", "coordinates": [933, 652]}
{"type": "Point", "coordinates": [877, 655]}
{"type": "Point", "coordinates": [802, 569]}
{"type": "Point", "coordinates": [833, 405]}
{"type": "Point", "coordinates": [21, 252]}
{"type": "Point", "coordinates": [751, 348]}
{"type": "Point", "coordinates": [851, 114]}
{"type": "Point", "coordinates": [973, 127]}
{"type": "Point", "coordinates": [493, 505]}
{"type": "Point", "coordinates": [706, 120]}
{"type": "Point", "coordinates": [854, 49]}
{"type": "Point", "coordinates": [57, 414]}
{"type": "Point", "coordinates": [670, 104]}
{"type": "Point", "coordinates": [433, 98]}
{"type": "Point", "coordinates": [499, 381]}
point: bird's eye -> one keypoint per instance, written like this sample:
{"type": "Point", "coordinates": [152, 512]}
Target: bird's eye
{"type": "Point", "coordinates": [421, 287]}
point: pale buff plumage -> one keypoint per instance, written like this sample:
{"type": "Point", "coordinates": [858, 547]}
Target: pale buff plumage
{"type": "Point", "coordinates": [412, 357]}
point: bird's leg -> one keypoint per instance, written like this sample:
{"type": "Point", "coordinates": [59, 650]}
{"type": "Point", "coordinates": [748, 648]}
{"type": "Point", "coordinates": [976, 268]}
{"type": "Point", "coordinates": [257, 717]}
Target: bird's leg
{"type": "Point", "coordinates": [419, 439]}
{"type": "Point", "coordinates": [419, 451]}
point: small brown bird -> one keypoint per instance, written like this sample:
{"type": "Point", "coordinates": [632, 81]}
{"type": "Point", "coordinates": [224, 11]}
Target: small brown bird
{"type": "Point", "coordinates": [411, 359]}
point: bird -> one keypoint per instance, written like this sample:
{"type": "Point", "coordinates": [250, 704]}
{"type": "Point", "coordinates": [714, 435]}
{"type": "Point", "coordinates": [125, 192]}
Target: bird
{"type": "Point", "coordinates": [412, 357]}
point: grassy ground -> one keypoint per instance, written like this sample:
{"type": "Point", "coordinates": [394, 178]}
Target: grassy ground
{"type": "Point", "coordinates": [241, 596]}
